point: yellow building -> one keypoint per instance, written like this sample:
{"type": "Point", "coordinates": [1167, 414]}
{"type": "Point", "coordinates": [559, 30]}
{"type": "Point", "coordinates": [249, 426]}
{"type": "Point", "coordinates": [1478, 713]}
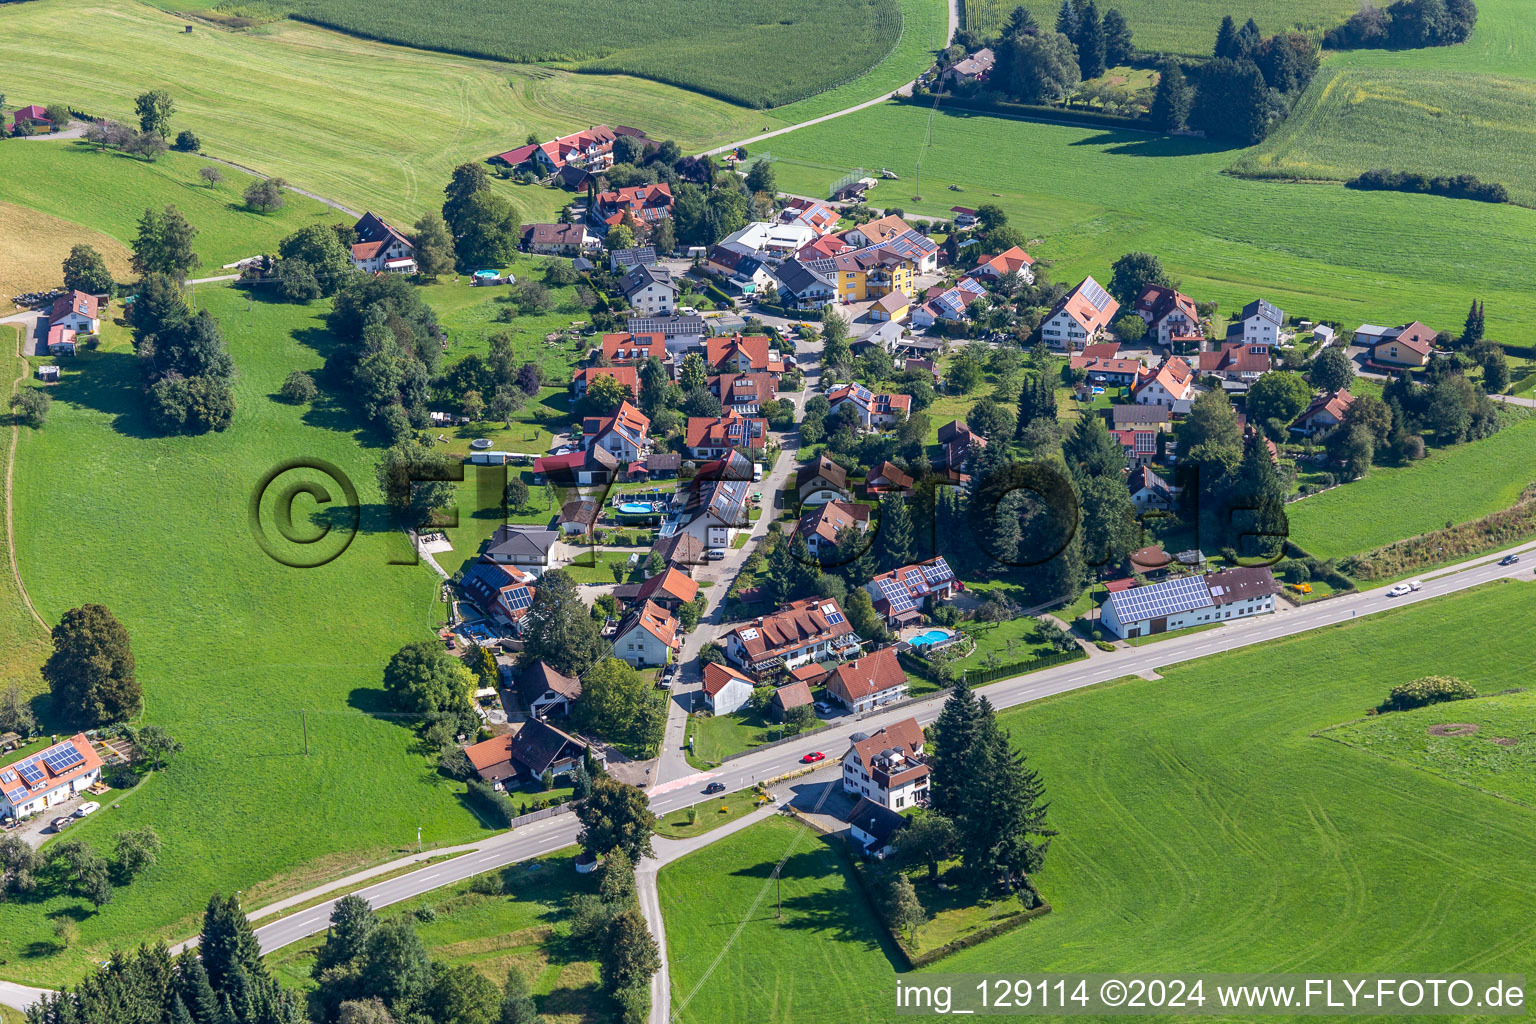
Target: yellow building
{"type": "Point", "coordinates": [872, 274]}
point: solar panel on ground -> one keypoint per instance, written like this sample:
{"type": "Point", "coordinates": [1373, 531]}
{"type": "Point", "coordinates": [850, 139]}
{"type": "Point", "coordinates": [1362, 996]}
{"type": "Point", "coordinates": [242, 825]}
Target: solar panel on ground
{"type": "Point", "coordinates": [1095, 293]}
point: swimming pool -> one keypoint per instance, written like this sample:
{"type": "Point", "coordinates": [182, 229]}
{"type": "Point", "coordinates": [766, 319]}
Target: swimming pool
{"type": "Point", "coordinates": [933, 636]}
{"type": "Point", "coordinates": [636, 508]}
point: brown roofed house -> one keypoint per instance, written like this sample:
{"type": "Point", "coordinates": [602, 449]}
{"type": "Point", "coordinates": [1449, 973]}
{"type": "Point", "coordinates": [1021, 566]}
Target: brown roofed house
{"type": "Point", "coordinates": [869, 682]}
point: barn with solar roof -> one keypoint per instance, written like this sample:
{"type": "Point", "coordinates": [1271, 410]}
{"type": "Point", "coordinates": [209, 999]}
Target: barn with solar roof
{"type": "Point", "coordinates": [1237, 593]}
{"type": "Point", "coordinates": [48, 778]}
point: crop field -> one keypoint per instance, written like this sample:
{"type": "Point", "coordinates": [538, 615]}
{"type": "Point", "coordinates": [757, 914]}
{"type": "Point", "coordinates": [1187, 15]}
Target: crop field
{"type": "Point", "coordinates": [1205, 825]}
{"type": "Point", "coordinates": [231, 645]}
{"type": "Point", "coordinates": [1175, 26]}
{"type": "Point", "coordinates": [1488, 744]}
{"type": "Point", "coordinates": [368, 125]}
{"type": "Point", "coordinates": [1453, 484]}
{"type": "Point", "coordinates": [525, 929]}
{"type": "Point", "coordinates": [61, 193]}
{"type": "Point", "coordinates": [1088, 195]}
{"type": "Point", "coordinates": [1430, 122]}
{"type": "Point", "coordinates": [709, 46]}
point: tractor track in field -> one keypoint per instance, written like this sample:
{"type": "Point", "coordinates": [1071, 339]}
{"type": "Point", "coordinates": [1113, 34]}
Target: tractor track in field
{"type": "Point", "coordinates": [10, 465]}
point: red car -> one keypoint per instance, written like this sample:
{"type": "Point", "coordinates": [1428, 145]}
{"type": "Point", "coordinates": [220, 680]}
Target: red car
{"type": "Point", "coordinates": [813, 757]}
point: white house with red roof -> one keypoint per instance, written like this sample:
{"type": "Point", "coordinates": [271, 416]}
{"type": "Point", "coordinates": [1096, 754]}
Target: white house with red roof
{"type": "Point", "coordinates": [822, 523]}
{"type": "Point", "coordinates": [1012, 260]}
{"type": "Point", "coordinates": [1326, 412]}
{"type": "Point", "coordinates": [625, 347]}
{"type": "Point", "coordinates": [380, 248]}
{"type": "Point", "coordinates": [1169, 314]}
{"type": "Point", "coordinates": [820, 217]}
{"type": "Point", "coordinates": [900, 593]}
{"type": "Point", "coordinates": [1244, 361]}
{"type": "Point", "coordinates": [888, 767]}
{"type": "Point", "coordinates": [49, 777]}
{"type": "Point", "coordinates": [76, 311]}
{"type": "Point", "coordinates": [647, 204]}
{"type": "Point", "coordinates": [1079, 316]}
{"type": "Point", "coordinates": [742, 353]}
{"type": "Point", "coordinates": [711, 437]}
{"type": "Point", "coordinates": [626, 375]}
{"type": "Point", "coordinates": [870, 682]}
{"type": "Point", "coordinates": [725, 689]}
{"type": "Point", "coordinates": [1171, 385]}
{"type": "Point", "coordinates": [876, 410]}
{"type": "Point", "coordinates": [811, 629]}
{"type": "Point", "coordinates": [744, 392]}
{"type": "Point", "coordinates": [1106, 369]}
{"type": "Point", "coordinates": [591, 149]}
{"type": "Point", "coordinates": [624, 434]}
{"type": "Point", "coordinates": [647, 636]}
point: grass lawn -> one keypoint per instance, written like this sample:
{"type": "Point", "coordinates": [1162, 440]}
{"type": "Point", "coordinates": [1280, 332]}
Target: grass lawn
{"type": "Point", "coordinates": [1206, 825]}
{"type": "Point", "coordinates": [733, 959]}
{"type": "Point", "coordinates": [1091, 194]}
{"type": "Point", "coordinates": [97, 198]}
{"type": "Point", "coordinates": [593, 566]}
{"type": "Point", "coordinates": [1453, 484]}
{"type": "Point", "coordinates": [524, 929]}
{"type": "Point", "coordinates": [1498, 756]}
{"type": "Point", "coordinates": [1185, 27]}
{"type": "Point", "coordinates": [1011, 641]}
{"type": "Point", "coordinates": [708, 815]}
{"type": "Point", "coordinates": [23, 640]}
{"type": "Point", "coordinates": [230, 656]}
{"type": "Point", "coordinates": [716, 737]}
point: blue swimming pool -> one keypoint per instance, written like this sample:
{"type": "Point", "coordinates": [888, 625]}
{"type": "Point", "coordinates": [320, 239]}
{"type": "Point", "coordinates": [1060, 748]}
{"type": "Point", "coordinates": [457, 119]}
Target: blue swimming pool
{"type": "Point", "coordinates": [933, 636]}
{"type": "Point", "coordinates": [636, 508]}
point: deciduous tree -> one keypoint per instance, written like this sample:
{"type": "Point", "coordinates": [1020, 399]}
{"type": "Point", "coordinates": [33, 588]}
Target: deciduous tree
{"type": "Point", "coordinates": [91, 671]}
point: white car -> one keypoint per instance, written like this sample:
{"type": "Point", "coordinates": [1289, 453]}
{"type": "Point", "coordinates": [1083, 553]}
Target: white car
{"type": "Point", "coordinates": [1400, 590]}
{"type": "Point", "coordinates": [687, 310]}
{"type": "Point", "coordinates": [1416, 585]}
{"type": "Point", "coordinates": [89, 807]}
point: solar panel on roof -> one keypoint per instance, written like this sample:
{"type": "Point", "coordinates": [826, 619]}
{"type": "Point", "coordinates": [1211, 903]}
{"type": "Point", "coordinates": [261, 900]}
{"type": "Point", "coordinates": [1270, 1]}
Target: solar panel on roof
{"type": "Point", "coordinates": [7, 777]}
{"type": "Point", "coordinates": [63, 759]}
{"type": "Point", "coordinates": [1170, 598]}
{"type": "Point", "coordinates": [522, 597]}
{"type": "Point", "coordinates": [30, 773]}
{"type": "Point", "coordinates": [1095, 293]}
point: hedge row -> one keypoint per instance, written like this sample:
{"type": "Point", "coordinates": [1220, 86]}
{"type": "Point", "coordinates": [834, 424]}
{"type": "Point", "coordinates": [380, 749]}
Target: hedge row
{"type": "Point", "coordinates": [980, 677]}
{"type": "Point", "coordinates": [1036, 112]}
{"type": "Point", "coordinates": [975, 938]}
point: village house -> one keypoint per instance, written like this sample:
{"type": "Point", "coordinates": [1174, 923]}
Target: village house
{"type": "Point", "coordinates": [62, 341]}
{"type": "Point", "coordinates": [820, 217]}
{"type": "Point", "coordinates": [545, 691]}
{"type": "Point", "coordinates": [1169, 314]}
{"type": "Point", "coordinates": [380, 248]}
{"type": "Point", "coordinates": [891, 307]}
{"type": "Point", "coordinates": [716, 507]}
{"type": "Point", "coordinates": [712, 437]}
{"type": "Point", "coordinates": [764, 241]}
{"type": "Point", "coordinates": [1132, 417]}
{"type": "Point", "coordinates": [874, 827]}
{"type": "Point", "coordinates": [821, 524]}
{"type": "Point", "coordinates": [1189, 601]}
{"type": "Point", "coordinates": [49, 777]}
{"type": "Point", "coordinates": [1079, 316]}
{"type": "Point", "coordinates": [558, 239]}
{"type": "Point", "coordinates": [870, 682]}
{"type": "Point", "coordinates": [899, 594]}
{"type": "Point", "coordinates": [624, 347]}
{"type": "Point", "coordinates": [811, 629]}
{"type": "Point", "coordinates": [800, 287]}
{"type": "Point", "coordinates": [744, 393]}
{"type": "Point", "coordinates": [647, 636]}
{"type": "Point", "coordinates": [1259, 323]}
{"type": "Point", "coordinates": [821, 481]}
{"type": "Point", "coordinates": [1012, 260]}
{"type": "Point", "coordinates": [1172, 384]}
{"type": "Point", "coordinates": [951, 304]}
{"type": "Point", "coordinates": [742, 353]}
{"type": "Point", "coordinates": [580, 468]}
{"type": "Point", "coordinates": [791, 695]}
{"type": "Point", "coordinates": [645, 204]}
{"type": "Point", "coordinates": [875, 411]}
{"type": "Point", "coordinates": [628, 376]}
{"type": "Point", "coordinates": [681, 332]}
{"type": "Point", "coordinates": [32, 115]}
{"type": "Point", "coordinates": [526, 547]}
{"type": "Point", "coordinates": [1112, 371]}
{"type": "Point", "coordinates": [525, 756]}
{"type": "Point", "coordinates": [1326, 412]}
{"type": "Point", "coordinates": [1244, 361]}
{"type": "Point", "coordinates": [503, 591]}
{"type": "Point", "coordinates": [1140, 446]}
{"type": "Point", "coordinates": [76, 311]}
{"type": "Point", "coordinates": [888, 478]}
{"type": "Point", "coordinates": [649, 289]}
{"type": "Point", "coordinates": [670, 589]}
{"type": "Point", "coordinates": [655, 466]}
{"type": "Point", "coordinates": [893, 234]}
{"type": "Point", "coordinates": [590, 150]}
{"type": "Point", "coordinates": [620, 260]}
{"type": "Point", "coordinates": [624, 434]}
{"type": "Point", "coordinates": [888, 767]}
{"type": "Point", "coordinates": [578, 517]}
{"type": "Point", "coordinates": [725, 689]}
{"type": "Point", "coordinates": [973, 68]}
{"type": "Point", "coordinates": [1405, 345]}
{"type": "Point", "coordinates": [1149, 492]}
{"type": "Point", "coordinates": [741, 274]}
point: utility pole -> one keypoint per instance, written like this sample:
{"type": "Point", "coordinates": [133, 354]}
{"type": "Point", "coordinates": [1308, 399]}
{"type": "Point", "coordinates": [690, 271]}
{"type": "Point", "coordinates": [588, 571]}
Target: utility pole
{"type": "Point", "coordinates": [304, 720]}
{"type": "Point", "coordinates": [778, 886]}
{"type": "Point", "coordinates": [418, 838]}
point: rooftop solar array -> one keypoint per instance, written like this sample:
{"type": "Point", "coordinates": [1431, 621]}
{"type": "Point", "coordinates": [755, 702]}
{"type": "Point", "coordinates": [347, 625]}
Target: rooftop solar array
{"type": "Point", "coordinates": [520, 598]}
{"type": "Point", "coordinates": [1170, 598]}
{"type": "Point", "coordinates": [62, 759]}
{"type": "Point", "coordinates": [900, 600]}
{"type": "Point", "coordinates": [1095, 293]}
{"type": "Point", "coordinates": [833, 615]}
{"type": "Point", "coordinates": [30, 773]}
{"type": "Point", "coordinates": [937, 571]}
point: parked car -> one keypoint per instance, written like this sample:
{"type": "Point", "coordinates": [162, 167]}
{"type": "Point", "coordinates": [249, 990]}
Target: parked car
{"type": "Point", "coordinates": [1509, 559]}
{"type": "Point", "coordinates": [822, 707]}
{"type": "Point", "coordinates": [715, 554]}
{"type": "Point", "coordinates": [813, 757]}
{"type": "Point", "coordinates": [714, 787]}
{"type": "Point", "coordinates": [1399, 590]}
{"type": "Point", "coordinates": [59, 824]}
{"type": "Point", "coordinates": [89, 807]}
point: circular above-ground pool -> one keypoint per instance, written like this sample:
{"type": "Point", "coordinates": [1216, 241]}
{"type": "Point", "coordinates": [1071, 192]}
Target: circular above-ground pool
{"type": "Point", "coordinates": [480, 444]}
{"type": "Point", "coordinates": [482, 274]}
{"type": "Point", "coordinates": [636, 508]}
{"type": "Point", "coordinates": [933, 636]}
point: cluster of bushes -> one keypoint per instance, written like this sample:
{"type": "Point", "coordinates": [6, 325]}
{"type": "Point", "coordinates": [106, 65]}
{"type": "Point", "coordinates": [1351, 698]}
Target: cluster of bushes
{"type": "Point", "coordinates": [1460, 186]}
{"type": "Point", "coordinates": [1405, 24]}
{"type": "Point", "coordinates": [1426, 691]}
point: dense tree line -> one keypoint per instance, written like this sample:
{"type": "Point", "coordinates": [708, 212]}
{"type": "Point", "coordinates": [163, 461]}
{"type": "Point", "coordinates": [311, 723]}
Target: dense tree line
{"type": "Point", "coordinates": [222, 981]}
{"type": "Point", "coordinates": [187, 369]}
{"type": "Point", "coordinates": [482, 222]}
{"type": "Point", "coordinates": [1459, 186]}
{"type": "Point", "coordinates": [389, 348]}
{"type": "Point", "coordinates": [1038, 65]}
{"type": "Point", "coordinates": [1405, 24]}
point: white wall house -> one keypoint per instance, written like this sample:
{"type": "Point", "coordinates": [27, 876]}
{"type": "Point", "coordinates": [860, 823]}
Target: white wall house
{"type": "Point", "coordinates": [649, 290]}
{"type": "Point", "coordinates": [888, 767]}
{"type": "Point", "coordinates": [48, 778]}
{"type": "Point", "coordinates": [1261, 323]}
{"type": "Point", "coordinates": [1189, 601]}
{"type": "Point", "coordinates": [725, 689]}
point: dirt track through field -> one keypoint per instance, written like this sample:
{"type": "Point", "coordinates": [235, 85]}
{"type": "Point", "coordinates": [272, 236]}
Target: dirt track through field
{"type": "Point", "coordinates": [10, 464]}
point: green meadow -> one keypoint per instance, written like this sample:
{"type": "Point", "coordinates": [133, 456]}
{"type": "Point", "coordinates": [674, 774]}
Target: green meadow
{"type": "Point", "coordinates": [1206, 824]}
{"type": "Point", "coordinates": [1085, 196]}
{"type": "Point", "coordinates": [245, 660]}
{"type": "Point", "coordinates": [1454, 485]}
